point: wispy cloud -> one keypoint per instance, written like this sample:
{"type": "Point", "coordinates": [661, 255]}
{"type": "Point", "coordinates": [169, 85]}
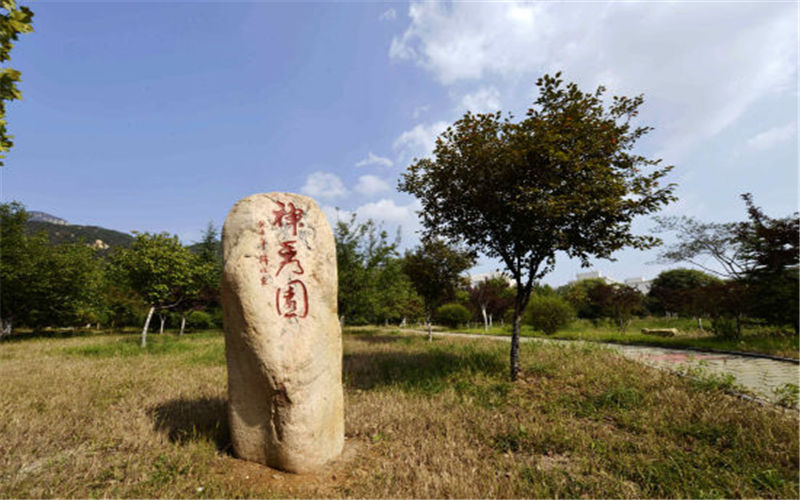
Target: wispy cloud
{"type": "Point", "coordinates": [324, 185]}
{"type": "Point", "coordinates": [388, 15]}
{"type": "Point", "coordinates": [370, 185]}
{"type": "Point", "coordinates": [373, 159]}
{"type": "Point", "coordinates": [770, 138]}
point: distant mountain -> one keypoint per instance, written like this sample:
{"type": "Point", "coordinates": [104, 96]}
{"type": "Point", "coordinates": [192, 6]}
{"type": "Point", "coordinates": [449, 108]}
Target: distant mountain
{"type": "Point", "coordinates": [196, 248]}
{"type": "Point", "coordinates": [45, 217]}
{"type": "Point", "coordinates": [61, 232]}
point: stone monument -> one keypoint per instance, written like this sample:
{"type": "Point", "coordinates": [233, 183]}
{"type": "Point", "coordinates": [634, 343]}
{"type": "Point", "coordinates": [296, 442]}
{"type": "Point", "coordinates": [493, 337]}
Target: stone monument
{"type": "Point", "coordinates": [283, 342]}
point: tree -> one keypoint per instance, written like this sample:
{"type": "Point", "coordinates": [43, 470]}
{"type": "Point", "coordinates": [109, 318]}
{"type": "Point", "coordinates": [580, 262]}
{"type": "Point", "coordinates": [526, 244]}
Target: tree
{"type": "Point", "coordinates": [201, 289]}
{"type": "Point", "coordinates": [492, 297]}
{"type": "Point", "coordinates": [617, 302]}
{"type": "Point", "coordinates": [372, 286]}
{"type": "Point", "coordinates": [158, 268]}
{"type": "Point", "coordinates": [435, 269]}
{"type": "Point", "coordinates": [772, 249]}
{"type": "Point", "coordinates": [563, 178]}
{"type": "Point", "coordinates": [759, 254]}
{"type": "Point", "coordinates": [43, 284]}
{"type": "Point", "coordinates": [682, 291]}
{"type": "Point", "coordinates": [13, 22]}
{"type": "Point", "coordinates": [548, 313]}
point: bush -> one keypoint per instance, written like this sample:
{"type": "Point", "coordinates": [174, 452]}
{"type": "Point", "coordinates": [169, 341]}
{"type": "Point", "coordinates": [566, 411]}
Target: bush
{"type": "Point", "coordinates": [200, 320]}
{"type": "Point", "coordinates": [548, 313]}
{"type": "Point", "coordinates": [725, 327]}
{"type": "Point", "coordinates": [452, 315]}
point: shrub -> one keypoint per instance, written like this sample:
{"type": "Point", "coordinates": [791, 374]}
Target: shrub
{"type": "Point", "coordinates": [725, 327]}
{"type": "Point", "coordinates": [452, 315]}
{"type": "Point", "coordinates": [200, 320]}
{"type": "Point", "coordinates": [548, 313]}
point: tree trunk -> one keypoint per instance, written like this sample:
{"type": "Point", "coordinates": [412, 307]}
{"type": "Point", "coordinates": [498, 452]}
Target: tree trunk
{"type": "Point", "coordinates": [515, 342]}
{"type": "Point", "coordinates": [700, 323]}
{"type": "Point", "coordinates": [183, 323]}
{"type": "Point", "coordinates": [6, 328]}
{"type": "Point", "coordinates": [430, 329]}
{"type": "Point", "coordinates": [341, 321]}
{"type": "Point", "coordinates": [485, 319]}
{"type": "Point", "coordinates": [490, 321]}
{"type": "Point", "coordinates": [162, 318]}
{"type": "Point", "coordinates": [146, 326]}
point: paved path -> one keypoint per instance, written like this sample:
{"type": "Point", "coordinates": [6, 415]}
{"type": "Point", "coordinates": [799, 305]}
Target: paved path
{"type": "Point", "coordinates": [760, 375]}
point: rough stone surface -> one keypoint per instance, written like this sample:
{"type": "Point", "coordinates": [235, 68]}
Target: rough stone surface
{"type": "Point", "coordinates": [283, 341]}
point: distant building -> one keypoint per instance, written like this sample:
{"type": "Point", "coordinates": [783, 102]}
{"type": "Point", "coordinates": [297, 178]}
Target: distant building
{"type": "Point", "coordinates": [474, 279]}
{"type": "Point", "coordinates": [641, 284]}
{"type": "Point", "coordinates": [593, 275]}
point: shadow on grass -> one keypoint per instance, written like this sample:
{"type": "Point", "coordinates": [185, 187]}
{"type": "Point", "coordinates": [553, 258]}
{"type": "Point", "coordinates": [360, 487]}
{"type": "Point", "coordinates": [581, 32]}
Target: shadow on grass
{"type": "Point", "coordinates": [425, 372]}
{"type": "Point", "coordinates": [50, 334]}
{"type": "Point", "coordinates": [190, 420]}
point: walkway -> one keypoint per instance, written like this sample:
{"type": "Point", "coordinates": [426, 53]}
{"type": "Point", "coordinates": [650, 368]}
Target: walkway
{"type": "Point", "coordinates": [762, 376]}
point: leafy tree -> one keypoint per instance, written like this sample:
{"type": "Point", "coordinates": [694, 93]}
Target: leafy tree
{"type": "Point", "coordinates": [201, 289]}
{"type": "Point", "coordinates": [772, 249]}
{"type": "Point", "coordinates": [452, 314]}
{"type": "Point", "coordinates": [759, 254]}
{"type": "Point", "coordinates": [372, 286]}
{"type": "Point", "coordinates": [548, 313]}
{"type": "Point", "coordinates": [577, 294]}
{"type": "Point", "coordinates": [563, 178]}
{"type": "Point", "coordinates": [13, 22]}
{"type": "Point", "coordinates": [681, 291]}
{"type": "Point", "coordinates": [44, 284]}
{"type": "Point", "coordinates": [617, 302]}
{"type": "Point", "coordinates": [158, 268]}
{"type": "Point", "coordinates": [435, 269]}
{"type": "Point", "coordinates": [16, 264]}
{"type": "Point", "coordinates": [491, 297]}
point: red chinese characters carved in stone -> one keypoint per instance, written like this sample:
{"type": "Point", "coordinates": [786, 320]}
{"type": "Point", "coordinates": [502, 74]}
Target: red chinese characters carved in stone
{"type": "Point", "coordinates": [289, 217]}
{"type": "Point", "coordinates": [288, 254]}
{"type": "Point", "coordinates": [292, 300]}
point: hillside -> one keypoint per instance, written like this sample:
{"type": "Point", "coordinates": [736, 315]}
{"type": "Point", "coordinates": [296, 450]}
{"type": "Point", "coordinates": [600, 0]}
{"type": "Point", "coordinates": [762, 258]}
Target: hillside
{"type": "Point", "coordinates": [61, 233]}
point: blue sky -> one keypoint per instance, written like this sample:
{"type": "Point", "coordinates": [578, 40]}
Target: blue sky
{"type": "Point", "coordinates": [160, 116]}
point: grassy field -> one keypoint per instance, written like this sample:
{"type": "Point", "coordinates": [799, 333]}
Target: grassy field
{"type": "Point", "coordinates": [95, 416]}
{"type": "Point", "coordinates": [755, 340]}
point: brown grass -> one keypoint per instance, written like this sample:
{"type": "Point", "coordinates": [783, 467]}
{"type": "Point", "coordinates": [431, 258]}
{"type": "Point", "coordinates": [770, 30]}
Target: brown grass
{"type": "Point", "coordinates": [94, 416]}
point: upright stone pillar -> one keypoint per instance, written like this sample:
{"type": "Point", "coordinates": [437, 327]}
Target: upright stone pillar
{"type": "Point", "coordinates": [283, 342]}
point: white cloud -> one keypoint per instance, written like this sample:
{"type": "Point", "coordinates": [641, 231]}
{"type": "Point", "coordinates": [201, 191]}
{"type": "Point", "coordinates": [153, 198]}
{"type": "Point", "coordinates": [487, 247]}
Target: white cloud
{"type": "Point", "coordinates": [388, 15]}
{"type": "Point", "coordinates": [373, 159]}
{"type": "Point", "coordinates": [419, 141]}
{"type": "Point", "coordinates": [485, 100]}
{"type": "Point", "coordinates": [766, 140]}
{"type": "Point", "coordinates": [323, 185]}
{"type": "Point", "coordinates": [419, 110]}
{"type": "Point", "coordinates": [370, 185]}
{"type": "Point", "coordinates": [700, 65]}
{"type": "Point", "coordinates": [387, 210]}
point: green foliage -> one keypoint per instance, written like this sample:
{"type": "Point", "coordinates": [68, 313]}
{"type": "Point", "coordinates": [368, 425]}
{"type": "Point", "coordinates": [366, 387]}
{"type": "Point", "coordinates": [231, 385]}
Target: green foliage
{"type": "Point", "coordinates": [44, 284]}
{"type": "Point", "coordinates": [372, 286]}
{"type": "Point", "coordinates": [157, 267]}
{"type": "Point", "coordinates": [617, 302]}
{"type": "Point", "coordinates": [564, 178]}
{"type": "Point", "coordinates": [13, 22]}
{"type": "Point", "coordinates": [680, 291]}
{"type": "Point", "coordinates": [452, 315]}
{"type": "Point", "coordinates": [577, 294]}
{"type": "Point", "coordinates": [435, 270]}
{"type": "Point", "coordinates": [57, 233]}
{"type": "Point", "coordinates": [548, 313]}
{"type": "Point", "coordinates": [491, 296]}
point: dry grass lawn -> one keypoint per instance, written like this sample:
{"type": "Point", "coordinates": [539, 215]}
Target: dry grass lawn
{"type": "Point", "coordinates": [95, 416]}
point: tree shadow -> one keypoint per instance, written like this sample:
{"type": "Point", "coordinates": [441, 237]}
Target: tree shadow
{"type": "Point", "coordinates": [426, 372]}
{"type": "Point", "coordinates": [49, 334]}
{"type": "Point", "coordinates": [380, 339]}
{"type": "Point", "coordinates": [190, 420]}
